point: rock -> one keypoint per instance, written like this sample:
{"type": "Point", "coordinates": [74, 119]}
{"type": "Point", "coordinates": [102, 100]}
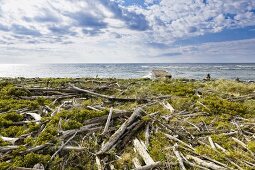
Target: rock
{"type": "Point", "coordinates": [39, 166]}
{"type": "Point", "coordinates": [161, 74]}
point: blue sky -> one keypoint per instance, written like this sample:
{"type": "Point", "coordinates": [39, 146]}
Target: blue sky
{"type": "Point", "coordinates": [107, 31]}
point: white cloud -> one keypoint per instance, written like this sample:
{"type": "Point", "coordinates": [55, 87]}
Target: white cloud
{"type": "Point", "coordinates": [109, 31]}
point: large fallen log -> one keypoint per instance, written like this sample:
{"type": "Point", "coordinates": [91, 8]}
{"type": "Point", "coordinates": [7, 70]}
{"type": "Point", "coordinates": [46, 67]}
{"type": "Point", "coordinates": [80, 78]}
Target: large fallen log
{"type": "Point", "coordinates": [111, 98]}
{"type": "Point", "coordinates": [90, 128]}
{"type": "Point", "coordinates": [115, 137]}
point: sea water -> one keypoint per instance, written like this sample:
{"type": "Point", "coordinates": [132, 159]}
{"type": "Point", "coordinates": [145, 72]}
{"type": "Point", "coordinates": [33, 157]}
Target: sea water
{"type": "Point", "coordinates": [181, 70]}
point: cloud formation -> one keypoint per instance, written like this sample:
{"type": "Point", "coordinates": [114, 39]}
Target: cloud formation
{"type": "Point", "coordinates": [125, 31]}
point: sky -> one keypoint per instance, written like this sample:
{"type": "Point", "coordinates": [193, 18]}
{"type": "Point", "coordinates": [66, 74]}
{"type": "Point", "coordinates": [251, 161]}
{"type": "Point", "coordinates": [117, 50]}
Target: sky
{"type": "Point", "coordinates": [127, 31]}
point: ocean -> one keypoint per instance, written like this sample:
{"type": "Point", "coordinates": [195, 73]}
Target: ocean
{"type": "Point", "coordinates": [192, 71]}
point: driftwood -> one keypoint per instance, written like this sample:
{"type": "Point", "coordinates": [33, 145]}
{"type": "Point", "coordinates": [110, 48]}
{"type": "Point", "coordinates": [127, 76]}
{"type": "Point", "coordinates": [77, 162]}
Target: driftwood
{"type": "Point", "coordinates": [147, 135]}
{"type": "Point", "coordinates": [111, 98]}
{"type": "Point", "coordinates": [130, 134]}
{"type": "Point", "coordinates": [62, 146]}
{"type": "Point", "coordinates": [114, 138]}
{"type": "Point", "coordinates": [136, 162]}
{"type": "Point", "coordinates": [244, 146]}
{"type": "Point", "coordinates": [168, 106]}
{"type": "Point", "coordinates": [90, 128]}
{"type": "Point", "coordinates": [205, 163]}
{"type": "Point", "coordinates": [107, 124]}
{"type": "Point", "coordinates": [142, 151]}
{"type": "Point", "coordinates": [211, 142]}
{"type": "Point", "coordinates": [178, 156]}
{"type": "Point", "coordinates": [178, 140]}
{"type": "Point", "coordinates": [98, 163]}
{"type": "Point", "coordinates": [36, 116]}
{"type": "Point", "coordinates": [8, 139]}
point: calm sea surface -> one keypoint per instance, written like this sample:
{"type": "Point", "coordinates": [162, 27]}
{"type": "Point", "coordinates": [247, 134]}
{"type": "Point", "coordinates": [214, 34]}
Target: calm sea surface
{"type": "Point", "coordinates": [196, 71]}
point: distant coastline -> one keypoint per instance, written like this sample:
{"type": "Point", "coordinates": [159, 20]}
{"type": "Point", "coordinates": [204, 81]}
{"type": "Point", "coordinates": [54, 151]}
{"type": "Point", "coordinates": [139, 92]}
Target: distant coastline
{"type": "Point", "coordinates": [231, 71]}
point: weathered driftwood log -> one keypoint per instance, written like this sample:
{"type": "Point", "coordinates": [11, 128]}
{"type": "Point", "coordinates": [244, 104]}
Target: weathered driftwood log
{"type": "Point", "coordinates": [98, 163]}
{"type": "Point", "coordinates": [107, 124]}
{"type": "Point", "coordinates": [178, 156]}
{"type": "Point", "coordinates": [211, 143]}
{"type": "Point", "coordinates": [207, 164]}
{"type": "Point", "coordinates": [220, 147]}
{"type": "Point", "coordinates": [192, 164]}
{"type": "Point", "coordinates": [111, 98]}
{"type": "Point", "coordinates": [244, 146]}
{"type": "Point", "coordinates": [179, 141]}
{"type": "Point", "coordinates": [36, 116]}
{"type": "Point", "coordinates": [142, 151]}
{"type": "Point", "coordinates": [136, 162]}
{"type": "Point", "coordinates": [8, 148]}
{"type": "Point", "coordinates": [102, 119]}
{"type": "Point", "coordinates": [8, 139]}
{"type": "Point", "coordinates": [147, 135]}
{"type": "Point", "coordinates": [168, 106]}
{"type": "Point", "coordinates": [90, 128]}
{"type": "Point", "coordinates": [36, 148]}
{"type": "Point", "coordinates": [130, 133]}
{"type": "Point", "coordinates": [62, 146]}
{"type": "Point", "coordinates": [115, 137]}
{"type": "Point", "coordinates": [66, 148]}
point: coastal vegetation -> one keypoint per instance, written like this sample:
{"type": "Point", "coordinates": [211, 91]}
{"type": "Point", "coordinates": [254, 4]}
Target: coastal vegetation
{"type": "Point", "coordinates": [86, 123]}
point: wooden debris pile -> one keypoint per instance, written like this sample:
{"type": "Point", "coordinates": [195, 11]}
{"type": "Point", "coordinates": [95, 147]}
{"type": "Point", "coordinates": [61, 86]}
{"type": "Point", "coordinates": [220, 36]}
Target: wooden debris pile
{"type": "Point", "coordinates": [112, 131]}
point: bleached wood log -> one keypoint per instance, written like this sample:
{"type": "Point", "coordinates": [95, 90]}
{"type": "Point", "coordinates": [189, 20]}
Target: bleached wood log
{"type": "Point", "coordinates": [73, 148]}
{"type": "Point", "coordinates": [205, 163]}
{"type": "Point", "coordinates": [36, 148]}
{"type": "Point", "coordinates": [111, 98]}
{"type": "Point", "coordinates": [8, 139]}
{"type": "Point", "coordinates": [8, 148]}
{"type": "Point", "coordinates": [178, 140]}
{"type": "Point", "coordinates": [192, 164]}
{"type": "Point", "coordinates": [107, 124]}
{"type": "Point", "coordinates": [62, 146]}
{"type": "Point", "coordinates": [178, 156]}
{"type": "Point", "coordinates": [98, 163]}
{"type": "Point", "coordinates": [168, 106]}
{"type": "Point", "coordinates": [149, 167]}
{"type": "Point", "coordinates": [57, 110]}
{"type": "Point", "coordinates": [211, 142]}
{"type": "Point", "coordinates": [136, 162]}
{"type": "Point", "coordinates": [93, 108]}
{"type": "Point", "coordinates": [66, 148]}
{"type": "Point", "coordinates": [147, 135]}
{"type": "Point", "coordinates": [91, 127]}
{"type": "Point", "coordinates": [36, 116]}
{"type": "Point", "coordinates": [243, 145]}
{"type": "Point", "coordinates": [220, 147]}
{"type": "Point", "coordinates": [130, 133]}
{"type": "Point", "coordinates": [142, 151]}
{"type": "Point", "coordinates": [115, 137]}
{"type": "Point", "coordinates": [116, 114]}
